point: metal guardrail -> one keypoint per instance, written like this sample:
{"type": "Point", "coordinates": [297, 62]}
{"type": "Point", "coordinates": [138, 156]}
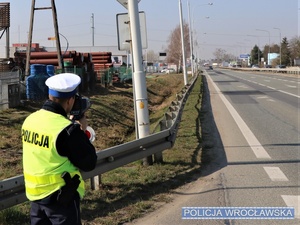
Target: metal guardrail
{"type": "Point", "coordinates": [12, 190]}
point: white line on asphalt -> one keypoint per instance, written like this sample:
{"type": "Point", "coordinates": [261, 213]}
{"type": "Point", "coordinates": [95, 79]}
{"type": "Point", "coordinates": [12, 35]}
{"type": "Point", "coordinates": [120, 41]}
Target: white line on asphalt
{"type": "Point", "coordinates": [297, 96]}
{"type": "Point", "coordinates": [291, 86]}
{"type": "Point", "coordinates": [293, 201]}
{"type": "Point", "coordinates": [255, 145]}
{"type": "Point", "coordinates": [275, 174]}
{"type": "Point", "coordinates": [243, 86]}
{"type": "Point", "coordinates": [271, 87]}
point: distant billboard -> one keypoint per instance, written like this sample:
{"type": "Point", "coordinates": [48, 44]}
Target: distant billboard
{"type": "Point", "coordinates": [244, 56]}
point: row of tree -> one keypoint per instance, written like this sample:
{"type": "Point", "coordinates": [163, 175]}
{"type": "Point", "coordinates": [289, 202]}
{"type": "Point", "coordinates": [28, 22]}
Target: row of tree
{"type": "Point", "coordinates": [290, 50]}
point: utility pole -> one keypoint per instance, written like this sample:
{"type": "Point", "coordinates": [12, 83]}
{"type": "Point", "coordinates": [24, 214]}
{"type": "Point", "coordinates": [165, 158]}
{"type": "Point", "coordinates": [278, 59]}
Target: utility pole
{"type": "Point", "coordinates": [191, 40]}
{"type": "Point", "coordinates": [93, 30]}
{"type": "Point", "coordinates": [183, 45]}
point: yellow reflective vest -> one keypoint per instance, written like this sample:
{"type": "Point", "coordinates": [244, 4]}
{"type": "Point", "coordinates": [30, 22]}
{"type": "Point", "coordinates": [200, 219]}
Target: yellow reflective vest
{"type": "Point", "coordinates": [42, 165]}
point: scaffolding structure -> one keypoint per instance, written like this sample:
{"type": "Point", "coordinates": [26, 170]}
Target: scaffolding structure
{"type": "Point", "coordinates": [54, 14]}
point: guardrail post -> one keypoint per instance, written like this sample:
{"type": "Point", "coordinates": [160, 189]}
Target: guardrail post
{"type": "Point", "coordinates": [158, 157]}
{"type": "Point", "coordinates": [95, 182]}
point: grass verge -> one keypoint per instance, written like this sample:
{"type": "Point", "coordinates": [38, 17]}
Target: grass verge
{"type": "Point", "coordinates": [133, 190]}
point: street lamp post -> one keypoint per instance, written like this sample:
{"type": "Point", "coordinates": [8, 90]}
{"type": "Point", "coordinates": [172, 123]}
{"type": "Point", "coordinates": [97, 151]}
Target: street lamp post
{"type": "Point", "coordinates": [269, 42]}
{"type": "Point", "coordinates": [279, 42]}
{"type": "Point", "coordinates": [191, 25]}
{"type": "Point", "coordinates": [191, 40]}
{"type": "Point", "coordinates": [182, 44]}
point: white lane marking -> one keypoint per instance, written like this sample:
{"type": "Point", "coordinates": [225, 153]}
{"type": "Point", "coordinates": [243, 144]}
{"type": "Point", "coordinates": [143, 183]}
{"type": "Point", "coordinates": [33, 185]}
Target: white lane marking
{"type": "Point", "coordinates": [271, 87]}
{"type": "Point", "coordinates": [266, 98]}
{"type": "Point", "coordinates": [260, 97]}
{"type": "Point", "coordinates": [291, 86]}
{"type": "Point", "coordinates": [255, 145]}
{"type": "Point", "coordinates": [275, 174]}
{"type": "Point", "coordinates": [293, 201]}
{"type": "Point", "coordinates": [297, 96]}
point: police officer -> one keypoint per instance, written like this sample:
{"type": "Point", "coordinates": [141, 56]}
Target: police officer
{"type": "Point", "coordinates": [55, 149]}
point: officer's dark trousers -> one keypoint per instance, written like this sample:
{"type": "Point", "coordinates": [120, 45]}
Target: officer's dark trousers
{"type": "Point", "coordinates": [55, 214]}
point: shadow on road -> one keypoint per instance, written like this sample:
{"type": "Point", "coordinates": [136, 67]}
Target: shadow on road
{"type": "Point", "coordinates": [213, 154]}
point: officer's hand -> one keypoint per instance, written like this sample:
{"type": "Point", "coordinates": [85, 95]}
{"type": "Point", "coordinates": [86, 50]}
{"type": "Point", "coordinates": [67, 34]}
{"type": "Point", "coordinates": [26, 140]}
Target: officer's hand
{"type": "Point", "coordinates": [83, 123]}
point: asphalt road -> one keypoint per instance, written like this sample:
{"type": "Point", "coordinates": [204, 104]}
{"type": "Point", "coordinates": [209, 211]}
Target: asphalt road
{"type": "Point", "coordinates": [256, 147]}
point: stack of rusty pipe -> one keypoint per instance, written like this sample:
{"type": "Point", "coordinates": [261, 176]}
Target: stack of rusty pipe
{"type": "Point", "coordinates": [102, 62]}
{"type": "Point", "coordinates": [50, 58]}
{"type": "Point", "coordinates": [94, 64]}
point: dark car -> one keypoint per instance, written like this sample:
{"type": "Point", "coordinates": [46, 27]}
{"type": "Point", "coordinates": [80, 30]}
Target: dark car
{"type": "Point", "coordinates": [268, 66]}
{"type": "Point", "coordinates": [281, 66]}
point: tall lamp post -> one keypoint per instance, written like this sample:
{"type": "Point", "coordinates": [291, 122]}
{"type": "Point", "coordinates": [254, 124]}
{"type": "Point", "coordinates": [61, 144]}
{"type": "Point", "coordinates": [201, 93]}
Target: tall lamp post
{"type": "Point", "coordinates": [191, 26]}
{"type": "Point", "coordinates": [269, 42]}
{"type": "Point", "coordinates": [182, 44]}
{"type": "Point", "coordinates": [279, 42]}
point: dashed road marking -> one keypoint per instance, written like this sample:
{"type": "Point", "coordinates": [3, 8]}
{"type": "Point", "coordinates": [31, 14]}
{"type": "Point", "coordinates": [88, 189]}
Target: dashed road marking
{"type": "Point", "coordinates": [293, 201]}
{"type": "Point", "coordinates": [275, 174]}
{"type": "Point", "coordinates": [291, 86]}
{"type": "Point", "coordinates": [263, 85]}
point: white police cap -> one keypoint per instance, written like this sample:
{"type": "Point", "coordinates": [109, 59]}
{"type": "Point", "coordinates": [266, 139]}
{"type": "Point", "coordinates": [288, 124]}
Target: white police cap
{"type": "Point", "coordinates": [63, 85]}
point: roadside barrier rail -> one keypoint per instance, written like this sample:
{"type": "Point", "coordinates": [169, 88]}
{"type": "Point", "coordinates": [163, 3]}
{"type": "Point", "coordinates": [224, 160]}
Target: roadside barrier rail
{"type": "Point", "coordinates": [12, 190]}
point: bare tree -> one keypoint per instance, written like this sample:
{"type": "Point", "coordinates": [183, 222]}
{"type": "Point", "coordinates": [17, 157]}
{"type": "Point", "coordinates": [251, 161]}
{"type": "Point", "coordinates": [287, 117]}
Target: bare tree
{"type": "Point", "coordinates": [219, 54]}
{"type": "Point", "coordinates": [174, 50]}
{"type": "Point", "coordinates": [295, 48]}
{"type": "Point", "coordinates": [151, 56]}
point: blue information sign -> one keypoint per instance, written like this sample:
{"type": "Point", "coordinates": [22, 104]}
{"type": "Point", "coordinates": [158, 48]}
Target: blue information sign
{"type": "Point", "coordinates": [244, 56]}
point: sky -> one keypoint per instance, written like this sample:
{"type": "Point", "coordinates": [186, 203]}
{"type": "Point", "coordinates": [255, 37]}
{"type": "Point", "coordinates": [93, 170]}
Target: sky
{"type": "Point", "coordinates": [227, 24]}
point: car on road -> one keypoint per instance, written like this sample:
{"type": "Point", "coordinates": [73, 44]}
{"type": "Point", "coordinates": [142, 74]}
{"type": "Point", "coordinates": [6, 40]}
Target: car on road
{"type": "Point", "coordinates": [280, 66]}
{"type": "Point", "coordinates": [168, 70]}
{"type": "Point", "coordinates": [163, 70]}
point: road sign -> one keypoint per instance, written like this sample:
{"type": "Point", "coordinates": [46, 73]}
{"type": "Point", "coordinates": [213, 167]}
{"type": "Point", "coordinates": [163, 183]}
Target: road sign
{"type": "Point", "coordinates": [244, 56]}
{"type": "Point", "coordinates": [123, 30]}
